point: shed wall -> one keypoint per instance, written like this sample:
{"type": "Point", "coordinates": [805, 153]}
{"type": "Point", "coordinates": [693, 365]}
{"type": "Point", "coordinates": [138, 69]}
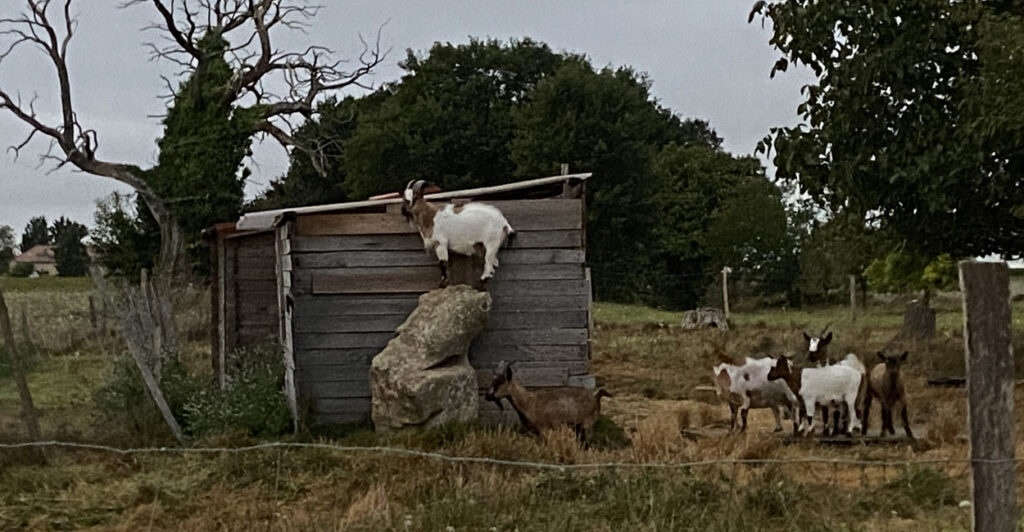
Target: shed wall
{"type": "Point", "coordinates": [357, 276]}
{"type": "Point", "coordinates": [247, 284]}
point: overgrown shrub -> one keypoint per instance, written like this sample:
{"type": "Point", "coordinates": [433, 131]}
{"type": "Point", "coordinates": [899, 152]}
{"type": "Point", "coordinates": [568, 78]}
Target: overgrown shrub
{"type": "Point", "coordinates": [22, 269]}
{"type": "Point", "coordinates": [29, 359]}
{"type": "Point", "coordinates": [252, 401]}
{"type": "Point", "coordinates": [124, 400]}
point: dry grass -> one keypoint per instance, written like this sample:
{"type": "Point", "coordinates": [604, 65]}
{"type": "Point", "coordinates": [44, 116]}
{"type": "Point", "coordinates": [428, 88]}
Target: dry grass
{"type": "Point", "coordinates": [651, 369]}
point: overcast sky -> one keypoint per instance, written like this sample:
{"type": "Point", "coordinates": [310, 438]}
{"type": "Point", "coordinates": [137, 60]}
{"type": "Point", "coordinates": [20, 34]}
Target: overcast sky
{"type": "Point", "coordinates": [705, 61]}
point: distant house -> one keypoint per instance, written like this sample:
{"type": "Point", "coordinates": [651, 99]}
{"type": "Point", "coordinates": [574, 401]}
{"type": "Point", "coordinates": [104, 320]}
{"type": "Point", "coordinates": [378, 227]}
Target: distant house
{"type": "Point", "coordinates": [40, 257]}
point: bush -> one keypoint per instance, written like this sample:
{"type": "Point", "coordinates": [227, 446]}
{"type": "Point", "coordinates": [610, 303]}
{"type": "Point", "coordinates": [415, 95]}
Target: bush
{"type": "Point", "coordinates": [123, 398]}
{"type": "Point", "coordinates": [253, 400]}
{"type": "Point", "coordinates": [22, 269]}
{"type": "Point", "coordinates": [29, 359]}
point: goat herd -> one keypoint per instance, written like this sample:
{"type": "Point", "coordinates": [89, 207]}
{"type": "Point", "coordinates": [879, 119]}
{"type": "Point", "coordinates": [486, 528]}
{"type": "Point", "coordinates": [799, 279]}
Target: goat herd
{"type": "Point", "coordinates": [843, 386]}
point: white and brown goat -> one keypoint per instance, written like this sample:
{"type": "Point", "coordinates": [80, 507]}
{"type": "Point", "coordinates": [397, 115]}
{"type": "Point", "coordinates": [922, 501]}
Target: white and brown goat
{"type": "Point", "coordinates": [458, 229]}
{"type": "Point", "coordinates": [548, 408]}
{"type": "Point", "coordinates": [886, 384]}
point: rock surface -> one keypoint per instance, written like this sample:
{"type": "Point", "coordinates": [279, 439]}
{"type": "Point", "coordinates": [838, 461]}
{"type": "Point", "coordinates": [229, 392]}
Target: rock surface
{"type": "Point", "coordinates": [423, 377]}
{"type": "Point", "coordinates": [704, 318]}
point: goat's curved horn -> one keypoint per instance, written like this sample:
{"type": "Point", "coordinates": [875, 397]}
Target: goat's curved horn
{"type": "Point", "coordinates": [825, 330]}
{"type": "Point", "coordinates": [502, 365]}
{"type": "Point", "coordinates": [417, 187]}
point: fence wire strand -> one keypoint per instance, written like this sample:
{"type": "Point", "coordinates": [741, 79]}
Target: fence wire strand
{"type": "Point", "coordinates": [836, 462]}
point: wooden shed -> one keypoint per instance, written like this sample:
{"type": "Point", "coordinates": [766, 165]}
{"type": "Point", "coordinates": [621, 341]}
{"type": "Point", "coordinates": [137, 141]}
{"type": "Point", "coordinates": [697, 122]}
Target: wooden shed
{"type": "Point", "coordinates": [331, 283]}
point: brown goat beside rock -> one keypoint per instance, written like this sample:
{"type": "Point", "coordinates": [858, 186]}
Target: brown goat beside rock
{"type": "Point", "coordinates": [886, 384]}
{"type": "Point", "coordinates": [550, 408]}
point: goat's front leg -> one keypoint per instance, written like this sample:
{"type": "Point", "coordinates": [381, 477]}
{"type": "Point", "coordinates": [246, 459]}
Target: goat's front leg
{"type": "Point", "coordinates": [442, 257]}
{"type": "Point", "coordinates": [866, 414]}
{"type": "Point", "coordinates": [906, 423]}
{"type": "Point", "coordinates": [778, 419]}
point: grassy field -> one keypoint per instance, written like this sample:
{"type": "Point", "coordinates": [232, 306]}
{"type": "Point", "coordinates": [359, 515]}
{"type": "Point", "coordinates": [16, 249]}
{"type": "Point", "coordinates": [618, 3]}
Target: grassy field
{"type": "Point", "coordinates": [653, 368]}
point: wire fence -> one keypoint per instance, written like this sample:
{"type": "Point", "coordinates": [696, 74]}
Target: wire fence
{"type": "Point", "coordinates": [398, 451]}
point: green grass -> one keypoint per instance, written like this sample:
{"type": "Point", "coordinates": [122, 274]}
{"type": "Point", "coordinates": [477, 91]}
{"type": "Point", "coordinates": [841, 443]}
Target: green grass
{"type": "Point", "coordinates": [46, 283]}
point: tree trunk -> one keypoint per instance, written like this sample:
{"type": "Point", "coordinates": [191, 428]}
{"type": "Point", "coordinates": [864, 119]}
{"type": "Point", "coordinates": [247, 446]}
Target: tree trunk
{"type": "Point", "coordinates": [918, 321]}
{"type": "Point", "coordinates": [28, 409]}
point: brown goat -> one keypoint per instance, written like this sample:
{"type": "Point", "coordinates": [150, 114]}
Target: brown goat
{"type": "Point", "coordinates": [886, 384]}
{"type": "Point", "coordinates": [550, 408]}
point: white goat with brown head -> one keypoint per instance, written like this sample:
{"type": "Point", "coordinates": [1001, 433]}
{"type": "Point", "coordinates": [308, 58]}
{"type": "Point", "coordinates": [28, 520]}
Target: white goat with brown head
{"type": "Point", "coordinates": [459, 229]}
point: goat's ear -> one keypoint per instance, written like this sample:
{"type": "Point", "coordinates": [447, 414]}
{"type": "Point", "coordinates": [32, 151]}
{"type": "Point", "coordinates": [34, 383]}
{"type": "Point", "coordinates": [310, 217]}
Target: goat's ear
{"type": "Point", "coordinates": [903, 357]}
{"type": "Point", "coordinates": [508, 372]}
{"type": "Point", "coordinates": [827, 338]}
{"type": "Point", "coordinates": [881, 356]}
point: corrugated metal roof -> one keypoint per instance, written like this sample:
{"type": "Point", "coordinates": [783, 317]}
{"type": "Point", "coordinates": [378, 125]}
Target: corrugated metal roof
{"type": "Point", "coordinates": [265, 220]}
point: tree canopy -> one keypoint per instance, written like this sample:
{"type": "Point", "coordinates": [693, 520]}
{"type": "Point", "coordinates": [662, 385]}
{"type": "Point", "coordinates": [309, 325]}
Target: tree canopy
{"type": "Point", "coordinates": [37, 231]}
{"type": "Point", "coordinates": [486, 112]}
{"type": "Point", "coordinates": [69, 251]}
{"type": "Point", "coordinates": [916, 122]}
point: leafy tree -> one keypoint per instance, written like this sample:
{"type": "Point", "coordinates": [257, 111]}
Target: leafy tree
{"type": "Point", "coordinates": [606, 122]}
{"type": "Point", "coordinates": [6, 247]}
{"type": "Point", "coordinates": [692, 182]}
{"type": "Point", "coordinates": [36, 232]}
{"type": "Point", "coordinates": [126, 237]}
{"type": "Point", "coordinates": [749, 233]}
{"type": "Point", "coordinates": [69, 251]}
{"type": "Point", "coordinates": [450, 118]}
{"type": "Point", "coordinates": [902, 271]}
{"type": "Point", "coordinates": [833, 249]}
{"type": "Point", "coordinates": [319, 176]}
{"type": "Point", "coordinates": [916, 119]}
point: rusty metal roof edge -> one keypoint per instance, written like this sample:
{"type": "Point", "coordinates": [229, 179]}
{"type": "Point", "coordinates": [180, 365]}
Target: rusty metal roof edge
{"type": "Point", "coordinates": [264, 220]}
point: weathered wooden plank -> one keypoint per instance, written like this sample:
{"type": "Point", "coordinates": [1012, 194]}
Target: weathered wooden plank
{"type": "Point", "coordinates": [340, 357]}
{"type": "Point", "coordinates": [532, 377]}
{"type": "Point", "coordinates": [486, 355]}
{"type": "Point", "coordinates": [363, 259]}
{"type": "Point", "coordinates": [334, 373]}
{"type": "Point", "coordinates": [990, 381]}
{"type": "Point", "coordinates": [567, 239]}
{"type": "Point", "coordinates": [421, 278]}
{"type": "Point", "coordinates": [262, 273]}
{"type": "Point", "coordinates": [315, 341]}
{"type": "Point", "coordinates": [532, 337]}
{"type": "Point", "coordinates": [257, 255]}
{"type": "Point", "coordinates": [418, 279]}
{"type": "Point", "coordinates": [376, 304]}
{"type": "Point", "coordinates": [262, 286]}
{"type": "Point", "coordinates": [523, 215]}
{"type": "Point", "coordinates": [353, 305]}
{"type": "Point", "coordinates": [537, 320]}
{"type": "Point", "coordinates": [390, 322]}
{"type": "Point", "coordinates": [335, 389]}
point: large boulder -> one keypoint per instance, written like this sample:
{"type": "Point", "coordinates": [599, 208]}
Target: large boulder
{"type": "Point", "coordinates": [704, 318]}
{"type": "Point", "coordinates": [423, 377]}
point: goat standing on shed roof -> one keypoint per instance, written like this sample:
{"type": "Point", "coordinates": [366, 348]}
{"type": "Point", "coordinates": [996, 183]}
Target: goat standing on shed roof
{"type": "Point", "coordinates": [886, 384]}
{"type": "Point", "coordinates": [456, 228]}
{"type": "Point", "coordinates": [549, 408]}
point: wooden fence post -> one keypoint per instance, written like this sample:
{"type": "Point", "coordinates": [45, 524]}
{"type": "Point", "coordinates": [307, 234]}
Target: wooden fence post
{"type": "Point", "coordinates": [989, 361]}
{"type": "Point", "coordinates": [725, 291]}
{"type": "Point", "coordinates": [28, 408]}
{"type": "Point", "coordinates": [853, 299]}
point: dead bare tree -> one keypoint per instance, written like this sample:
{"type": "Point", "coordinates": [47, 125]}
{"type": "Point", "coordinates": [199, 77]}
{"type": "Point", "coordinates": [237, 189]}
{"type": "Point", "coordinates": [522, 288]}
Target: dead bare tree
{"type": "Point", "coordinates": [271, 85]}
